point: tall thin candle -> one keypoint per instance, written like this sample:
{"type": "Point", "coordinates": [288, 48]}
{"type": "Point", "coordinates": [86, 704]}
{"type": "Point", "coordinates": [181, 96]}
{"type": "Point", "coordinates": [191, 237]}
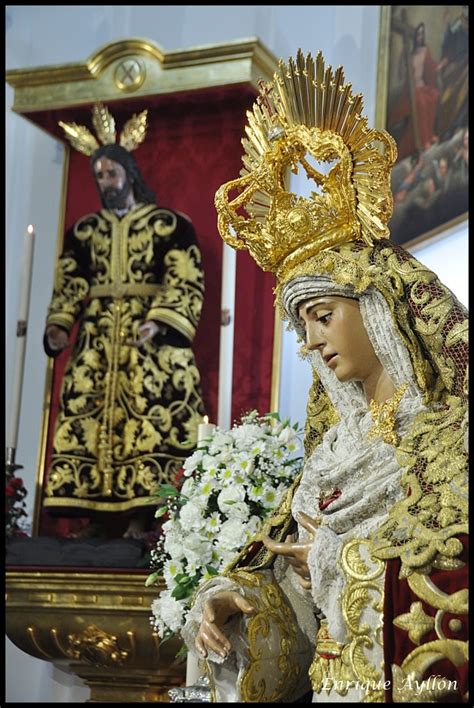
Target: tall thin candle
{"type": "Point", "coordinates": [21, 330]}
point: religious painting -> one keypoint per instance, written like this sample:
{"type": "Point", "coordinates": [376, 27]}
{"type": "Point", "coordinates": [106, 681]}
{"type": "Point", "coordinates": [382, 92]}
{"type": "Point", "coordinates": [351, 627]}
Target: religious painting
{"type": "Point", "coordinates": [423, 104]}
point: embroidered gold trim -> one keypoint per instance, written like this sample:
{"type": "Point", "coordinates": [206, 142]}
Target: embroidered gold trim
{"type": "Point", "coordinates": [416, 622]}
{"type": "Point", "coordinates": [408, 683]}
{"type": "Point", "coordinates": [119, 290]}
{"type": "Point", "coordinates": [339, 667]}
{"type": "Point", "coordinates": [179, 322]}
{"type": "Point", "coordinates": [274, 678]}
{"type": "Point", "coordinates": [61, 320]}
{"type": "Point", "coordinates": [424, 588]}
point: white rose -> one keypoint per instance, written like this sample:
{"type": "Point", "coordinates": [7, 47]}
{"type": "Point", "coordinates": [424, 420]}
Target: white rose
{"type": "Point", "coordinates": [156, 618]}
{"type": "Point", "coordinates": [222, 455]}
{"type": "Point", "coordinates": [173, 542]}
{"type": "Point", "coordinates": [172, 611]}
{"type": "Point", "coordinates": [229, 496]}
{"type": "Point", "coordinates": [220, 440]}
{"type": "Point", "coordinates": [231, 535]}
{"type": "Point", "coordinates": [192, 462]}
{"type": "Point", "coordinates": [239, 510]}
{"type": "Point", "coordinates": [196, 550]}
{"type": "Point", "coordinates": [188, 487]}
{"type": "Point", "coordinates": [191, 517]}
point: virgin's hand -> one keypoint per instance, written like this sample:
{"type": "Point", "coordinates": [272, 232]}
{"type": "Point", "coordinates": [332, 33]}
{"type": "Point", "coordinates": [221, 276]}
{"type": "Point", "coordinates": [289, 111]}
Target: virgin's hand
{"type": "Point", "coordinates": [217, 610]}
{"type": "Point", "coordinates": [57, 337]}
{"type": "Point", "coordinates": [297, 553]}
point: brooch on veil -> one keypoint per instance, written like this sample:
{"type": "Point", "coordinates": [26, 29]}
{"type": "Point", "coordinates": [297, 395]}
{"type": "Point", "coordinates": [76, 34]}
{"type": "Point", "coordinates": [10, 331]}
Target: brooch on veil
{"type": "Point", "coordinates": [383, 415]}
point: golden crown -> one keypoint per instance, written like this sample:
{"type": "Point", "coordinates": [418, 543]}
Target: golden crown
{"type": "Point", "coordinates": [307, 113]}
{"type": "Point", "coordinates": [80, 137]}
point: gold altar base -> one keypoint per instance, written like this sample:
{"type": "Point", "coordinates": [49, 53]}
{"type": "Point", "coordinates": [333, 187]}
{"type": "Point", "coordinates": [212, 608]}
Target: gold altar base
{"type": "Point", "coordinates": [97, 625]}
{"type": "Point", "coordinates": [122, 686]}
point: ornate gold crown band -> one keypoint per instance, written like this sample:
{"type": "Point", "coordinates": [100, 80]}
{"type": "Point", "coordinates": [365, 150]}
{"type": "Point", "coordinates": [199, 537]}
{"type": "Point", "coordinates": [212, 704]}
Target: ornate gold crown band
{"type": "Point", "coordinates": [80, 137]}
{"type": "Point", "coordinates": [306, 114]}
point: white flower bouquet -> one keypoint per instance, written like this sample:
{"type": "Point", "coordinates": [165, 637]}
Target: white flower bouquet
{"type": "Point", "coordinates": [233, 481]}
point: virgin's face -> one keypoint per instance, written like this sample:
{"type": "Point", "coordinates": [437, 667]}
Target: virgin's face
{"type": "Point", "coordinates": [335, 328]}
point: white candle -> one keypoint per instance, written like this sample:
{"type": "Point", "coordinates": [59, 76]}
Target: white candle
{"type": "Point", "coordinates": [193, 670]}
{"type": "Point", "coordinates": [226, 347]}
{"type": "Point", "coordinates": [205, 430]}
{"type": "Point", "coordinates": [21, 328]}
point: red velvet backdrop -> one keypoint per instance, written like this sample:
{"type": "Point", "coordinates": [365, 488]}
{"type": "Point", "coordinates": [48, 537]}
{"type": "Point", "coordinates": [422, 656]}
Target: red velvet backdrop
{"type": "Point", "coordinates": [193, 145]}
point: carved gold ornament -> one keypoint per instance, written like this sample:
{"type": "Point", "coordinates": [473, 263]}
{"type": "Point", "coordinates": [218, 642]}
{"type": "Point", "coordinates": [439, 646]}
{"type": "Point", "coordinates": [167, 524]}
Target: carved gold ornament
{"type": "Point", "coordinates": [96, 647]}
{"type": "Point", "coordinates": [307, 114]}
{"type": "Point", "coordinates": [130, 74]}
{"type": "Point", "coordinates": [80, 137]}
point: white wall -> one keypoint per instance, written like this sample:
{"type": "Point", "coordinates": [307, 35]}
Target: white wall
{"type": "Point", "coordinates": [48, 35]}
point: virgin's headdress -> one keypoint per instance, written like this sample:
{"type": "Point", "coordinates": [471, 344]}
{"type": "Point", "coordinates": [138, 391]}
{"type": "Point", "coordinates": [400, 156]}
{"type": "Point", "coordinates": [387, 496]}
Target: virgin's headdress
{"type": "Point", "coordinates": [81, 138]}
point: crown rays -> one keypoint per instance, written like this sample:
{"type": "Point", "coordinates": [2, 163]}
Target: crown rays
{"type": "Point", "coordinates": [306, 92]}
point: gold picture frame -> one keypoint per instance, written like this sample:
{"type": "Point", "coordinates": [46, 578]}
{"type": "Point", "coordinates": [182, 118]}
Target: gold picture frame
{"type": "Point", "coordinates": [422, 98]}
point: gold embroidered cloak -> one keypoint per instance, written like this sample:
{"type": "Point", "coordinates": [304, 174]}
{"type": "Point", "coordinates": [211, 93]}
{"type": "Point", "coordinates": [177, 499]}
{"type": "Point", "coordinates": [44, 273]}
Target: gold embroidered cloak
{"type": "Point", "coordinates": [128, 415]}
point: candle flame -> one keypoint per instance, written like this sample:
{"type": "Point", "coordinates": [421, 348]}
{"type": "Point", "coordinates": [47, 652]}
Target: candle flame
{"type": "Point", "coordinates": [206, 419]}
{"type": "Point", "coordinates": [30, 229]}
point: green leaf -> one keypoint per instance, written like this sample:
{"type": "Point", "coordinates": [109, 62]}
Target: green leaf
{"type": "Point", "coordinates": [182, 591]}
{"type": "Point", "coordinates": [151, 580]}
{"type": "Point", "coordinates": [167, 490]}
{"type": "Point", "coordinates": [211, 570]}
{"type": "Point", "coordinates": [182, 652]}
{"type": "Point", "coordinates": [160, 511]}
{"type": "Point", "coordinates": [183, 579]}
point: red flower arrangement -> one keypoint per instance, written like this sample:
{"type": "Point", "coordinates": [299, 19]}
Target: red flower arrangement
{"type": "Point", "coordinates": [15, 507]}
